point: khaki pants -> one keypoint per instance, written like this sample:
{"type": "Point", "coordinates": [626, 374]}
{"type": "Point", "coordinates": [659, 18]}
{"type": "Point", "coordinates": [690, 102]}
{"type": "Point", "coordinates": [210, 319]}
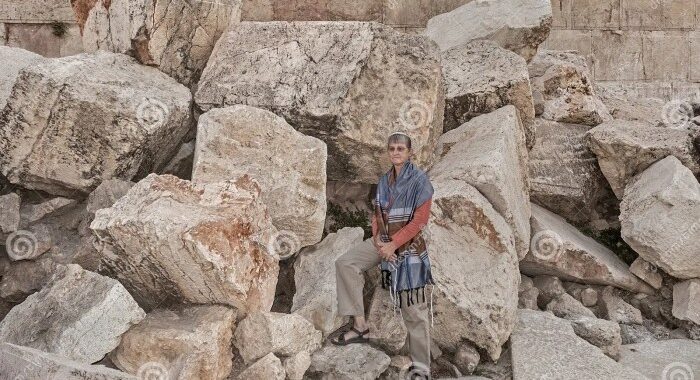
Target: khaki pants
{"type": "Point", "coordinates": [349, 270]}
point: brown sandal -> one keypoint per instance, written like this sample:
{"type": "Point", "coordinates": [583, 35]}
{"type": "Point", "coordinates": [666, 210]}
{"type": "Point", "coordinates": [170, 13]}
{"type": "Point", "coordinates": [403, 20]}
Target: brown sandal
{"type": "Point", "coordinates": [360, 338]}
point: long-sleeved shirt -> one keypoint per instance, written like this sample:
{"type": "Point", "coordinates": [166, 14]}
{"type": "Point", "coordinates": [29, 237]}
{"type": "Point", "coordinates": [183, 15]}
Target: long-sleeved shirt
{"type": "Point", "coordinates": [407, 232]}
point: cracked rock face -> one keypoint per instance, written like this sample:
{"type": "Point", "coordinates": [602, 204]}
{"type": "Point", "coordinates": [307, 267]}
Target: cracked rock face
{"type": "Point", "coordinates": [289, 166]}
{"type": "Point", "coordinates": [626, 148]}
{"type": "Point", "coordinates": [199, 336]}
{"type": "Point", "coordinates": [80, 315]}
{"type": "Point", "coordinates": [562, 85]}
{"type": "Point", "coordinates": [469, 242]}
{"type": "Point", "coordinates": [72, 122]}
{"type": "Point", "coordinates": [171, 241]}
{"type": "Point", "coordinates": [481, 77]}
{"type": "Point", "coordinates": [19, 362]}
{"type": "Point", "coordinates": [350, 84]}
{"type": "Point", "coordinates": [517, 25]}
{"type": "Point", "coordinates": [660, 217]}
{"type": "Point", "coordinates": [177, 36]}
{"type": "Point", "coordinates": [13, 60]}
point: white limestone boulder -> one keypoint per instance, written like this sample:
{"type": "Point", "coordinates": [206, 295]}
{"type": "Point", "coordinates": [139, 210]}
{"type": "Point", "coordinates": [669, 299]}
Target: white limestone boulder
{"type": "Point", "coordinates": [75, 121]}
{"type": "Point", "coordinates": [544, 346]}
{"type": "Point", "coordinates": [350, 84]}
{"type": "Point", "coordinates": [289, 166]}
{"type": "Point", "coordinates": [517, 25]}
{"type": "Point", "coordinates": [560, 249]}
{"type": "Point", "coordinates": [351, 362]}
{"type": "Point", "coordinates": [626, 148]}
{"type": "Point", "coordinates": [686, 300]}
{"type": "Point", "coordinates": [175, 36]}
{"type": "Point", "coordinates": [13, 60]}
{"type": "Point", "coordinates": [475, 266]}
{"type": "Point", "coordinates": [489, 153]}
{"type": "Point", "coordinates": [315, 297]}
{"type": "Point", "coordinates": [80, 315]}
{"type": "Point", "coordinates": [660, 217]}
{"type": "Point", "coordinates": [563, 89]}
{"type": "Point", "coordinates": [19, 362]}
{"type": "Point", "coordinates": [564, 172]}
{"type": "Point", "coordinates": [261, 333]}
{"type": "Point", "coordinates": [199, 337]}
{"type": "Point", "coordinates": [171, 241]}
{"type": "Point", "coordinates": [481, 77]}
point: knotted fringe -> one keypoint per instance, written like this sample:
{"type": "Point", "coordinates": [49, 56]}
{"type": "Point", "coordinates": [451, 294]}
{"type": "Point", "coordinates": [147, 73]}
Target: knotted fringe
{"type": "Point", "coordinates": [397, 299]}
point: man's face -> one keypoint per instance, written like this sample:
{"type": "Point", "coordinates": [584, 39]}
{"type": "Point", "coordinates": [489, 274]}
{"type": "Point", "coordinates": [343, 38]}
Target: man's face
{"type": "Point", "coordinates": [398, 153]}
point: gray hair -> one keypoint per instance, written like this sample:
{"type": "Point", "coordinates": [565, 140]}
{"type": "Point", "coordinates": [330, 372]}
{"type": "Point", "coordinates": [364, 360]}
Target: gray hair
{"type": "Point", "coordinates": [400, 138]}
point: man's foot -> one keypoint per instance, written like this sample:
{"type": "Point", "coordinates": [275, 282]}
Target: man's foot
{"type": "Point", "coordinates": [354, 335]}
{"type": "Point", "coordinates": [418, 371]}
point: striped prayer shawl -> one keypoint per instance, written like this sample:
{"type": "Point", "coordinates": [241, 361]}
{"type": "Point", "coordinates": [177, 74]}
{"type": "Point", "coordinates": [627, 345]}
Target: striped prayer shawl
{"type": "Point", "coordinates": [394, 206]}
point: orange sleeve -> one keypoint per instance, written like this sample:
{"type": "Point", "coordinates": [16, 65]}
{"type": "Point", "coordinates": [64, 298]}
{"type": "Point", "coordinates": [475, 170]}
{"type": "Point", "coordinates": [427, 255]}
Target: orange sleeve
{"type": "Point", "coordinates": [374, 225]}
{"type": "Point", "coordinates": [420, 219]}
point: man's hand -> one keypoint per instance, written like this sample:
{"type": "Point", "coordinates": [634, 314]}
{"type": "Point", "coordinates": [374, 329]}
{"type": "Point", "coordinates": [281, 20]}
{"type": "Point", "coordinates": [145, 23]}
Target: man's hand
{"type": "Point", "coordinates": [387, 251]}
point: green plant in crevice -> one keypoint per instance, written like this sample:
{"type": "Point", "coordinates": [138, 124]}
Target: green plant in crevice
{"type": "Point", "coordinates": [342, 217]}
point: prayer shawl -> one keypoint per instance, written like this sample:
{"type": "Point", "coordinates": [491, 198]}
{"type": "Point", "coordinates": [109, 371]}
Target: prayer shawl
{"type": "Point", "coordinates": [394, 207]}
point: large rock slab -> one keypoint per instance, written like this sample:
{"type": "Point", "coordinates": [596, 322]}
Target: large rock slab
{"type": "Point", "coordinates": [517, 25]}
{"type": "Point", "coordinates": [9, 208]}
{"type": "Point", "coordinates": [660, 217]}
{"type": "Point", "coordinates": [475, 264]}
{"type": "Point", "coordinates": [600, 333]}
{"type": "Point", "coordinates": [481, 77]}
{"type": "Point", "coordinates": [175, 36]}
{"type": "Point", "coordinates": [351, 362]}
{"type": "Point", "coordinates": [563, 89]}
{"type": "Point", "coordinates": [171, 241]}
{"type": "Point", "coordinates": [559, 249]}
{"type": "Point", "coordinates": [564, 172]}
{"type": "Point", "coordinates": [546, 347]}
{"type": "Point", "coordinates": [199, 337]}
{"type": "Point", "coordinates": [289, 166]}
{"type": "Point", "coordinates": [72, 122]}
{"type": "Point", "coordinates": [626, 148]}
{"type": "Point", "coordinates": [261, 333]}
{"type": "Point", "coordinates": [268, 367]}
{"type": "Point", "coordinates": [316, 298]}
{"type": "Point", "coordinates": [350, 84]}
{"type": "Point", "coordinates": [13, 60]}
{"type": "Point", "coordinates": [19, 362]}
{"type": "Point", "coordinates": [489, 153]}
{"type": "Point", "coordinates": [387, 329]}
{"type": "Point", "coordinates": [686, 300]}
{"type": "Point", "coordinates": [80, 315]}
{"type": "Point", "coordinates": [666, 359]}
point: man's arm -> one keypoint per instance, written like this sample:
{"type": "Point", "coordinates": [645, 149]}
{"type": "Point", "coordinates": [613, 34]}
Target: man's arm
{"type": "Point", "coordinates": [420, 220]}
